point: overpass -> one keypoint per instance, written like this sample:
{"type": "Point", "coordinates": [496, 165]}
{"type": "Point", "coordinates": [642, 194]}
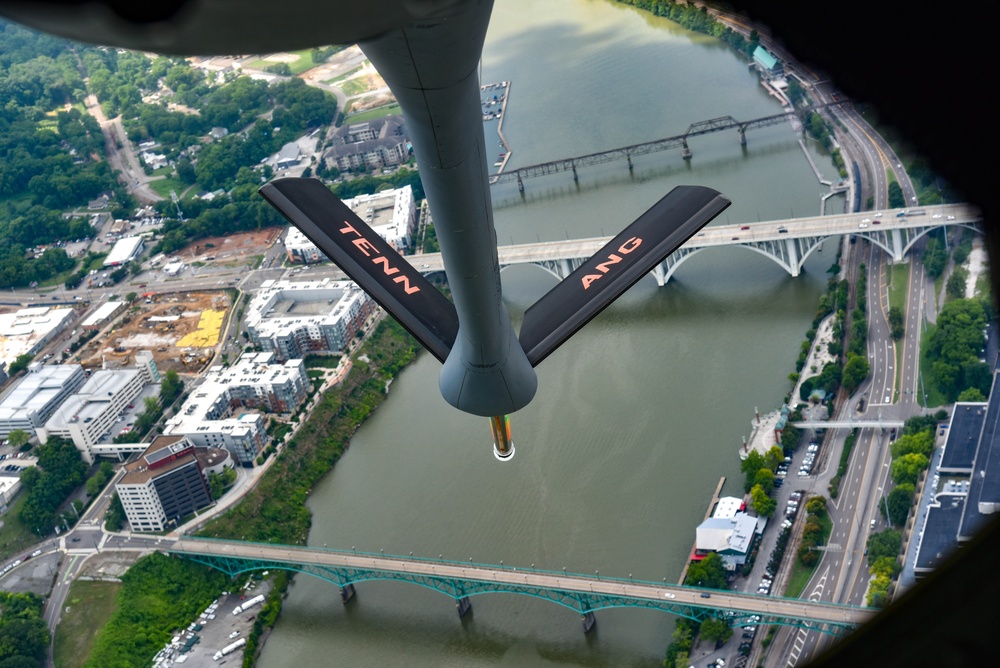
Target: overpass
{"type": "Point", "coordinates": [850, 424]}
{"type": "Point", "coordinates": [584, 594]}
{"type": "Point", "coordinates": [787, 242]}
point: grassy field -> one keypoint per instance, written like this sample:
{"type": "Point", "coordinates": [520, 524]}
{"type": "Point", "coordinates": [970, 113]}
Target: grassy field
{"type": "Point", "coordinates": [162, 187]}
{"type": "Point", "coordinates": [90, 603]}
{"type": "Point", "coordinates": [927, 387]}
{"type": "Point", "coordinates": [381, 112]}
{"type": "Point", "coordinates": [304, 62]}
{"type": "Point", "coordinates": [14, 536]}
{"type": "Point", "coordinates": [899, 278]}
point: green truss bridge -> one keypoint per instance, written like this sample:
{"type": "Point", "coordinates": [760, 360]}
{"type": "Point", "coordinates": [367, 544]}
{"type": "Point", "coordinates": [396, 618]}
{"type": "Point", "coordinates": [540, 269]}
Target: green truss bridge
{"type": "Point", "coordinates": [584, 594]}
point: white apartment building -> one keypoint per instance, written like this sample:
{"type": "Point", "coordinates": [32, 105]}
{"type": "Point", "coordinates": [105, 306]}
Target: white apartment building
{"type": "Point", "coordinates": [293, 319]}
{"type": "Point", "coordinates": [215, 412]}
{"type": "Point", "coordinates": [391, 213]}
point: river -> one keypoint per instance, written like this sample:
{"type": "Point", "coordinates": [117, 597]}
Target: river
{"type": "Point", "coordinates": [636, 418]}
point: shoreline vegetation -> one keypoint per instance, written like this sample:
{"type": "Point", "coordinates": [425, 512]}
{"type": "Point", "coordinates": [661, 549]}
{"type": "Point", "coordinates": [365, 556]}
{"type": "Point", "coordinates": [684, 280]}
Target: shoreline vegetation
{"type": "Point", "coordinates": [275, 511]}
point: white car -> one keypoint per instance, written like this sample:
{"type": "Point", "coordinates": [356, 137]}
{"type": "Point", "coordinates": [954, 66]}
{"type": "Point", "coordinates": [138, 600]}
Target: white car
{"type": "Point", "coordinates": [234, 634]}
{"type": "Point", "coordinates": [667, 594]}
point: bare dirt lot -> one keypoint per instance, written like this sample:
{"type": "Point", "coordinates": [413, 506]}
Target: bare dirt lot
{"type": "Point", "coordinates": [180, 329]}
{"type": "Point", "coordinates": [234, 248]}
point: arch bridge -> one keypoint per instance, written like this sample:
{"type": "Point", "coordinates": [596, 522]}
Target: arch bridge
{"type": "Point", "coordinates": [583, 594]}
{"type": "Point", "coordinates": [787, 242]}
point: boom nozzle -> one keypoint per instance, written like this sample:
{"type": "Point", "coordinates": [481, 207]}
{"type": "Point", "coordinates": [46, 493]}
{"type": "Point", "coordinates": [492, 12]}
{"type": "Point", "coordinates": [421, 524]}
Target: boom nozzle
{"type": "Point", "coordinates": [503, 445]}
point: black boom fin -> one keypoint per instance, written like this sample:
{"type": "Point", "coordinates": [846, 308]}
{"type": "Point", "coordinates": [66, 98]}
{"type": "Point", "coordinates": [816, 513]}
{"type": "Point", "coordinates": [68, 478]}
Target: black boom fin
{"type": "Point", "coordinates": [657, 233]}
{"type": "Point", "coordinates": [366, 257]}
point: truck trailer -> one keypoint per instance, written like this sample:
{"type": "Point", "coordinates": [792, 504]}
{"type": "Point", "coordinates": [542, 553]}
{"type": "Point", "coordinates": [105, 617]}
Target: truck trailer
{"type": "Point", "coordinates": [229, 649]}
{"type": "Point", "coordinates": [249, 603]}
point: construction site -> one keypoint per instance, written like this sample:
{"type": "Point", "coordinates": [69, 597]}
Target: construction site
{"type": "Point", "coordinates": [182, 330]}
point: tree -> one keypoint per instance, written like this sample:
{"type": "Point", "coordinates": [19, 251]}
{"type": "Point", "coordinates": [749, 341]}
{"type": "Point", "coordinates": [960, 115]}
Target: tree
{"type": "Point", "coordinates": [907, 468]}
{"type": "Point", "coordinates": [171, 387]}
{"type": "Point", "coordinates": [765, 480]}
{"type": "Point", "coordinates": [896, 324]}
{"type": "Point", "coordinates": [855, 371]}
{"type": "Point", "coordinates": [19, 364]}
{"type": "Point", "coordinates": [955, 287]}
{"type": "Point", "coordinates": [762, 503]}
{"type": "Point", "coordinates": [921, 442]}
{"type": "Point", "coordinates": [749, 467]}
{"type": "Point", "coordinates": [886, 543]}
{"type": "Point", "coordinates": [971, 394]}
{"type": "Point", "coordinates": [899, 502]}
{"type": "Point", "coordinates": [18, 438]}
{"type": "Point", "coordinates": [716, 630]}
{"type": "Point", "coordinates": [709, 572]}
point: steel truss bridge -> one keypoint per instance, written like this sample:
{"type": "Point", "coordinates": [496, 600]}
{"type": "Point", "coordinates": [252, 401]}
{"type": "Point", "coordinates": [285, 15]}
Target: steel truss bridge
{"type": "Point", "coordinates": [787, 242]}
{"type": "Point", "coordinates": [583, 594]}
{"type": "Point", "coordinates": [645, 148]}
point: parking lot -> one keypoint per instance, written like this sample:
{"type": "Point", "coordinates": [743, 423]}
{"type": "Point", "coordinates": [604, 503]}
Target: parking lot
{"type": "Point", "coordinates": [216, 628]}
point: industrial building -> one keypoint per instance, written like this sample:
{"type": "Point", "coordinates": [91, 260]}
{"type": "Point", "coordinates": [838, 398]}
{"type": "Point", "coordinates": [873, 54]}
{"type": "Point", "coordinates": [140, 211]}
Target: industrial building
{"type": "Point", "coordinates": [729, 532]}
{"type": "Point", "coordinates": [36, 396]}
{"type": "Point", "coordinates": [215, 412]}
{"type": "Point", "coordinates": [27, 330]}
{"type": "Point", "coordinates": [390, 213]}
{"type": "Point", "coordinates": [88, 416]}
{"type": "Point", "coordinates": [294, 319]}
{"type": "Point", "coordinates": [124, 251]}
{"type": "Point", "coordinates": [164, 485]}
{"type": "Point", "coordinates": [962, 491]}
{"type": "Point", "coordinates": [102, 315]}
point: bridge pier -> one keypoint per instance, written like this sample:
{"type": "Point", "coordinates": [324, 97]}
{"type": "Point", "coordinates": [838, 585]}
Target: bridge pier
{"type": "Point", "coordinates": [576, 179]}
{"type": "Point", "coordinates": [346, 593]}
{"type": "Point", "coordinates": [588, 621]}
{"type": "Point", "coordinates": [629, 158]}
{"type": "Point", "coordinates": [685, 150]}
{"type": "Point", "coordinates": [520, 184]}
{"type": "Point", "coordinates": [743, 136]}
{"type": "Point", "coordinates": [463, 605]}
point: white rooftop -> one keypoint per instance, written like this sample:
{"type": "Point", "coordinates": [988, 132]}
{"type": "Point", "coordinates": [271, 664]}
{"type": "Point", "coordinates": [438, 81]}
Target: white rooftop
{"type": "Point", "coordinates": [36, 389]}
{"type": "Point", "coordinates": [727, 507]}
{"type": "Point", "coordinates": [25, 328]}
{"type": "Point", "coordinates": [279, 308]}
{"type": "Point", "coordinates": [93, 398]}
{"type": "Point", "coordinates": [102, 313]}
{"type": "Point", "coordinates": [122, 251]}
{"type": "Point", "coordinates": [251, 369]}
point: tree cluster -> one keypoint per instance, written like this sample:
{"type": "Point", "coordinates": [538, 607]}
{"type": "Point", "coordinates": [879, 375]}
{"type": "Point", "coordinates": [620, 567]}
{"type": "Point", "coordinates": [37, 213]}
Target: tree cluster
{"type": "Point", "coordinates": [955, 347]}
{"type": "Point", "coordinates": [275, 510]}
{"type": "Point", "coordinates": [60, 470]}
{"type": "Point", "coordinates": [24, 636]}
{"type": "Point", "coordinates": [814, 532]}
{"type": "Point", "coordinates": [160, 595]}
{"type": "Point", "coordinates": [710, 572]}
